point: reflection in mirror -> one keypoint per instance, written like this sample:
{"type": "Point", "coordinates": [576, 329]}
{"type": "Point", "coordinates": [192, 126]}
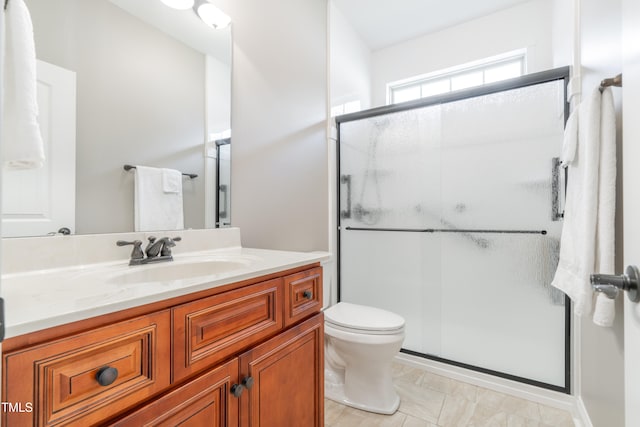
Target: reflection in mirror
{"type": "Point", "coordinates": [142, 84]}
{"type": "Point", "coordinates": [223, 214]}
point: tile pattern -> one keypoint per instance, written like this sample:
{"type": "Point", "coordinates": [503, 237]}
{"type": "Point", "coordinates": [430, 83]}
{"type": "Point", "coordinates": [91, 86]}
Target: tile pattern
{"type": "Point", "coordinates": [429, 400]}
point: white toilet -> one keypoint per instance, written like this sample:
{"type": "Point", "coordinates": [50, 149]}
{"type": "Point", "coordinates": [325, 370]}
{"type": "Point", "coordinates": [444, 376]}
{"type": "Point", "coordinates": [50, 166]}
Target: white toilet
{"type": "Point", "coordinates": [360, 344]}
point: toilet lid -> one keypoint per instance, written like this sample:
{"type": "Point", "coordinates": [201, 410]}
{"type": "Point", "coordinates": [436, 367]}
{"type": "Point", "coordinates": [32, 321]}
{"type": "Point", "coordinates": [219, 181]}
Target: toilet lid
{"type": "Point", "coordinates": [360, 317]}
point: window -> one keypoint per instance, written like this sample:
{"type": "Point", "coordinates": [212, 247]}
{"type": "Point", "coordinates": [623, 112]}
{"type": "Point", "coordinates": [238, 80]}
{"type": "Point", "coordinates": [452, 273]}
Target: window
{"type": "Point", "coordinates": [469, 75]}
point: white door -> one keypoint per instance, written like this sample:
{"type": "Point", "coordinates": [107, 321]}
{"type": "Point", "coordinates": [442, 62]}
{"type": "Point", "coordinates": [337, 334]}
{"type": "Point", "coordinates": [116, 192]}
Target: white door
{"type": "Point", "coordinates": [39, 201]}
{"type": "Point", "coordinates": [631, 186]}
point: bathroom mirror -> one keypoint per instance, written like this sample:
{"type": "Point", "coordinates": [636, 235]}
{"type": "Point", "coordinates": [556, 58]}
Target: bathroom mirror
{"type": "Point", "coordinates": [152, 87]}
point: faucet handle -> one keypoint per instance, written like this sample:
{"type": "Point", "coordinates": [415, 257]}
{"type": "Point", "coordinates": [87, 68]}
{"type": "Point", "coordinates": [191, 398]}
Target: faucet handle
{"type": "Point", "coordinates": [136, 253]}
{"type": "Point", "coordinates": [169, 243]}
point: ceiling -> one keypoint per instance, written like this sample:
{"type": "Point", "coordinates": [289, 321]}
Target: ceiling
{"type": "Point", "coordinates": [382, 23]}
{"type": "Point", "coordinates": [183, 25]}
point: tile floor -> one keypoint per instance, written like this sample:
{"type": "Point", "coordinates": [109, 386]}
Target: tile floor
{"type": "Point", "coordinates": [429, 400]}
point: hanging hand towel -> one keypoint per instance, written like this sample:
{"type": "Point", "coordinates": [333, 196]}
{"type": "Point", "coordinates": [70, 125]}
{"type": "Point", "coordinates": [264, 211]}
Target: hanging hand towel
{"type": "Point", "coordinates": [171, 181]}
{"type": "Point", "coordinates": [155, 208]}
{"type": "Point", "coordinates": [604, 312]}
{"type": "Point", "coordinates": [587, 234]}
{"type": "Point", "coordinates": [22, 146]}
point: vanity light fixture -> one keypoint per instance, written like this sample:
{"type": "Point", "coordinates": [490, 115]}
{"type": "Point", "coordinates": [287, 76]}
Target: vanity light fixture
{"type": "Point", "coordinates": [211, 15]}
{"type": "Point", "coordinates": [179, 4]}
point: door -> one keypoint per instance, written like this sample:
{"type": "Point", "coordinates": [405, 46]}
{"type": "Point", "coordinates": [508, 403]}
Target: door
{"type": "Point", "coordinates": [285, 379]}
{"type": "Point", "coordinates": [631, 199]}
{"type": "Point", "coordinates": [39, 201]}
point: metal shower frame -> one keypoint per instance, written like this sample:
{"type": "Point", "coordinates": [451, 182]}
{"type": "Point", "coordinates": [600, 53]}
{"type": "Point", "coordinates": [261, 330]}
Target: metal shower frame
{"type": "Point", "coordinates": [556, 74]}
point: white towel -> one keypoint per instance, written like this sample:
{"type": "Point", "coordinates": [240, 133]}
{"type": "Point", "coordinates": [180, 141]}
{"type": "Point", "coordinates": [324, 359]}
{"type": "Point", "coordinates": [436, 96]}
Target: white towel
{"type": "Point", "coordinates": [604, 312]}
{"type": "Point", "coordinates": [171, 181]}
{"type": "Point", "coordinates": [587, 240]}
{"type": "Point", "coordinates": [156, 209]}
{"type": "Point", "coordinates": [22, 146]}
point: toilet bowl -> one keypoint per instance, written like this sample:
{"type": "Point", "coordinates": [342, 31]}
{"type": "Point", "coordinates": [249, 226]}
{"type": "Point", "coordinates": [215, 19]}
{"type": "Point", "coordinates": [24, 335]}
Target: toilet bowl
{"type": "Point", "coordinates": [360, 344]}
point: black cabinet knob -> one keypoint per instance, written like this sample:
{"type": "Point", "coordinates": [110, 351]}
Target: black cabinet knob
{"type": "Point", "coordinates": [307, 294]}
{"type": "Point", "coordinates": [106, 376]}
{"type": "Point", "coordinates": [247, 382]}
{"type": "Point", "coordinates": [236, 390]}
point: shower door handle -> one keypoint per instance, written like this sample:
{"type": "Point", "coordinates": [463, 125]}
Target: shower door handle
{"type": "Point", "coordinates": [346, 179]}
{"type": "Point", "coordinates": [556, 168]}
{"type": "Point", "coordinates": [223, 191]}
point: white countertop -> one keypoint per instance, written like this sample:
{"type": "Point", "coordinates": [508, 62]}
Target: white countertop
{"type": "Point", "coordinates": [40, 299]}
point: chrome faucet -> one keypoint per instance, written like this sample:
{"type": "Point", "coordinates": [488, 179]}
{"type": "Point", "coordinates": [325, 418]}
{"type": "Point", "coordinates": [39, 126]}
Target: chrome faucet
{"type": "Point", "coordinates": [161, 246]}
{"type": "Point", "coordinates": [157, 250]}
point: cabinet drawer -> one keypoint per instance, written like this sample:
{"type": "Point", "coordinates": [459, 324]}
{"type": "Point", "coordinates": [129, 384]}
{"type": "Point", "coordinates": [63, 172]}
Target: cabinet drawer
{"type": "Point", "coordinates": [302, 295]}
{"type": "Point", "coordinates": [210, 330]}
{"type": "Point", "coordinates": [60, 378]}
{"type": "Point", "coordinates": [205, 401]}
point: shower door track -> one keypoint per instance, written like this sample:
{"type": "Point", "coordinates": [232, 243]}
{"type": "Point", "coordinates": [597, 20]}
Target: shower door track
{"type": "Point", "coordinates": [562, 73]}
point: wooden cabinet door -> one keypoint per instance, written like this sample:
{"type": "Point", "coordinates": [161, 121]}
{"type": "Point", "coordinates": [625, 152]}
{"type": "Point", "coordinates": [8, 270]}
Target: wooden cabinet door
{"type": "Point", "coordinates": [206, 401]}
{"type": "Point", "coordinates": [287, 373]}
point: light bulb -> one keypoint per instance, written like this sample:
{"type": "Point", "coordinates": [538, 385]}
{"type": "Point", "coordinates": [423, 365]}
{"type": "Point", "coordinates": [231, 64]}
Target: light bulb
{"type": "Point", "coordinates": [213, 16]}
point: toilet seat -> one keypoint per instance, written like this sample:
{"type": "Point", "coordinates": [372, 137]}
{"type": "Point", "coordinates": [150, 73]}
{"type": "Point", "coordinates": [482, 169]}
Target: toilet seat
{"type": "Point", "coordinates": [356, 318]}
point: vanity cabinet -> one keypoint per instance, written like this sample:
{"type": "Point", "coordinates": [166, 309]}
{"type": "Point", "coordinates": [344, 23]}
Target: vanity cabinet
{"type": "Point", "coordinates": [245, 354]}
{"type": "Point", "coordinates": [278, 383]}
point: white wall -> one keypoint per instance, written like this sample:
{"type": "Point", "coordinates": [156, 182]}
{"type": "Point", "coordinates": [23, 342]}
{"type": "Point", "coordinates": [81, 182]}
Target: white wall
{"type": "Point", "coordinates": [350, 62]}
{"type": "Point", "coordinates": [602, 348]}
{"type": "Point", "coordinates": [599, 360]}
{"type": "Point", "coordinates": [279, 112]}
{"type": "Point", "coordinates": [527, 25]}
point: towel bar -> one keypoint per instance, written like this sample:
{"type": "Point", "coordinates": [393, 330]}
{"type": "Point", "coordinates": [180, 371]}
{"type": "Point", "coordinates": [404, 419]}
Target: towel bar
{"type": "Point", "coordinates": [448, 230]}
{"type": "Point", "coordinates": [613, 81]}
{"type": "Point", "coordinates": [190, 175]}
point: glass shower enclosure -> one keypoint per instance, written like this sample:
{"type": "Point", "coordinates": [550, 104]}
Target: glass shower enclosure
{"type": "Point", "coordinates": [450, 215]}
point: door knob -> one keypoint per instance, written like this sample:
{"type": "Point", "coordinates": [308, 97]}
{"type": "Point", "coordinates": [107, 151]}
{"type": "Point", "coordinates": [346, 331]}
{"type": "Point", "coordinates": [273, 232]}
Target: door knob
{"type": "Point", "coordinates": [610, 284]}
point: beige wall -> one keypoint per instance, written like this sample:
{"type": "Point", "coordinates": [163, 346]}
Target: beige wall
{"type": "Point", "coordinates": [140, 101]}
{"type": "Point", "coordinates": [279, 109]}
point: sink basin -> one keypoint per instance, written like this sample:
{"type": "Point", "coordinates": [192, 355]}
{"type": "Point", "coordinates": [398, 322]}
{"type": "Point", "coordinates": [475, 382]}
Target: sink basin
{"type": "Point", "coordinates": [171, 271]}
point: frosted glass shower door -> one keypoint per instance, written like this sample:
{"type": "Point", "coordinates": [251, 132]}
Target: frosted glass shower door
{"type": "Point", "coordinates": [389, 166]}
{"type": "Point", "coordinates": [446, 218]}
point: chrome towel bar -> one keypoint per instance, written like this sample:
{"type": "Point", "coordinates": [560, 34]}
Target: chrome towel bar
{"type": "Point", "coordinates": [190, 175]}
